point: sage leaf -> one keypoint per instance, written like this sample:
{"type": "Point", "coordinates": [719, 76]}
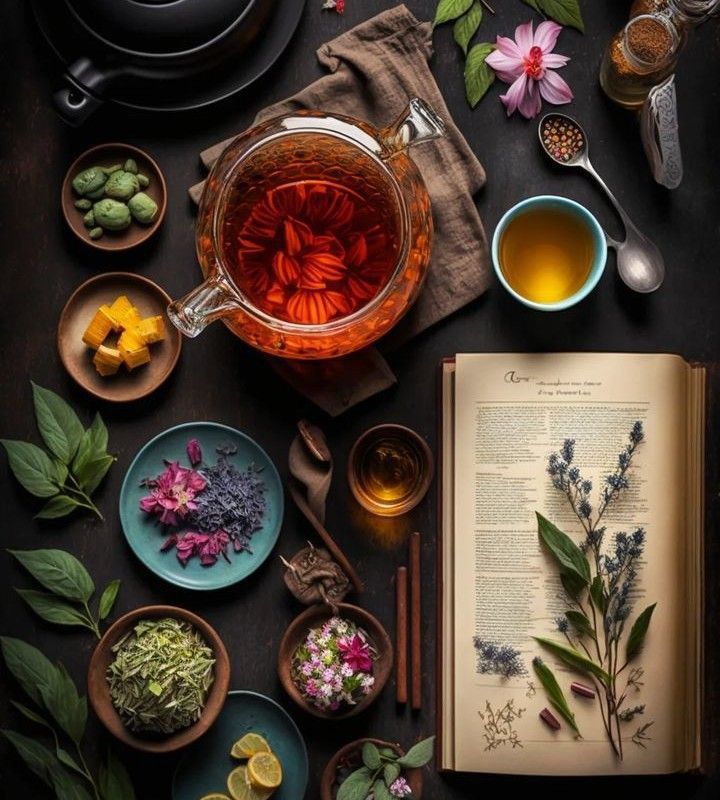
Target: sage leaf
{"type": "Point", "coordinates": [63, 756]}
{"type": "Point", "coordinates": [380, 791]}
{"type": "Point", "coordinates": [575, 659]}
{"type": "Point", "coordinates": [391, 772]}
{"type": "Point", "coordinates": [113, 780]}
{"type": "Point", "coordinates": [554, 693]}
{"type": "Point", "coordinates": [30, 668]}
{"type": "Point", "coordinates": [32, 467]}
{"type": "Point", "coordinates": [107, 599]}
{"type": "Point", "coordinates": [356, 786]}
{"type": "Point", "coordinates": [465, 27]}
{"type": "Point", "coordinates": [597, 594]}
{"type": "Point", "coordinates": [68, 787]}
{"type": "Point", "coordinates": [91, 473]}
{"type": "Point", "coordinates": [566, 12]}
{"type": "Point", "coordinates": [478, 75]}
{"type": "Point", "coordinates": [58, 571]}
{"type": "Point", "coordinates": [59, 506]}
{"type": "Point", "coordinates": [370, 756]}
{"type": "Point", "coordinates": [637, 633]}
{"type": "Point", "coordinates": [63, 703]}
{"type": "Point", "coordinates": [450, 9]}
{"type": "Point", "coordinates": [581, 623]}
{"type": "Point", "coordinates": [568, 555]}
{"type": "Point", "coordinates": [53, 609]}
{"type": "Point", "coordinates": [36, 756]}
{"type": "Point", "coordinates": [418, 755]}
{"type": "Point", "coordinates": [58, 424]}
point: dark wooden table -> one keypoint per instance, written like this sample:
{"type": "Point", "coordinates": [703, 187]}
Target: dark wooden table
{"type": "Point", "coordinates": [220, 379]}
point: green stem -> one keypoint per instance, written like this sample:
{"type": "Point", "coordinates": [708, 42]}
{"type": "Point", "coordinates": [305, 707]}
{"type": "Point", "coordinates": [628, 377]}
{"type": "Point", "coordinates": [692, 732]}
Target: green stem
{"type": "Point", "coordinates": [94, 624]}
{"type": "Point", "coordinates": [88, 774]}
{"type": "Point", "coordinates": [88, 503]}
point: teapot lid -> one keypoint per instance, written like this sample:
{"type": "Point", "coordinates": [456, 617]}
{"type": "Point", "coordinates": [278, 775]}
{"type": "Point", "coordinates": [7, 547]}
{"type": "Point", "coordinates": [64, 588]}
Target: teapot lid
{"type": "Point", "coordinates": [158, 26]}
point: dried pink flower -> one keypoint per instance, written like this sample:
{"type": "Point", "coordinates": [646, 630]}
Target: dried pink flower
{"type": "Point", "coordinates": [194, 452]}
{"type": "Point", "coordinates": [355, 652]}
{"type": "Point", "coordinates": [172, 493]}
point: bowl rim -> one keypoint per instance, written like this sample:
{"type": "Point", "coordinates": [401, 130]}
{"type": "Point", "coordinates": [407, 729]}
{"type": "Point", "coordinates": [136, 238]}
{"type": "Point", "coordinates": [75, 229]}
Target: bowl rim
{"type": "Point", "coordinates": [99, 695]}
{"type": "Point", "coordinates": [599, 240]}
{"type": "Point", "coordinates": [298, 627]}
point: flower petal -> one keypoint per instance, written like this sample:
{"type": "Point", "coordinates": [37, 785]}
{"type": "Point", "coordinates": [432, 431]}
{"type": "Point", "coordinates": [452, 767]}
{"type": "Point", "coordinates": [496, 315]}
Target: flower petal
{"type": "Point", "coordinates": [507, 68]}
{"type": "Point", "coordinates": [508, 48]}
{"type": "Point", "coordinates": [524, 38]}
{"type": "Point", "coordinates": [546, 35]}
{"type": "Point", "coordinates": [554, 89]}
{"type": "Point", "coordinates": [515, 94]}
{"type": "Point", "coordinates": [531, 103]}
{"type": "Point", "coordinates": [554, 60]}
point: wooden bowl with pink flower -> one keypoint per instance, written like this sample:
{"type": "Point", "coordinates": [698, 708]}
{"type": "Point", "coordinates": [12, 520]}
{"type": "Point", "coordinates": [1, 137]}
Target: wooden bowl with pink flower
{"type": "Point", "coordinates": [360, 647]}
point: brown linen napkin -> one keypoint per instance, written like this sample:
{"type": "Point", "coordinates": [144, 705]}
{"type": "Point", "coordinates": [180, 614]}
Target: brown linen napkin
{"type": "Point", "coordinates": [375, 68]}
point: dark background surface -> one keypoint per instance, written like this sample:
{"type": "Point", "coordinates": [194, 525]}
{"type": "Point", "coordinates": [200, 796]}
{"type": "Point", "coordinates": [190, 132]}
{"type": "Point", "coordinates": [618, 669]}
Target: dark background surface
{"type": "Point", "coordinates": [219, 379]}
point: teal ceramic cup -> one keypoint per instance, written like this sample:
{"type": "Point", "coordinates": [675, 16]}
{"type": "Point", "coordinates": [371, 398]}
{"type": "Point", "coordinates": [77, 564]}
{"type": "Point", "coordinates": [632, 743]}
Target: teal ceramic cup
{"type": "Point", "coordinates": [549, 203]}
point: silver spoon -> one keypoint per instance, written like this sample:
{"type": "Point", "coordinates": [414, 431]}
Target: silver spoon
{"type": "Point", "coordinates": [639, 262]}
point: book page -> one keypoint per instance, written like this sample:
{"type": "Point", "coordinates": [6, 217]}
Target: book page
{"type": "Point", "coordinates": [511, 412]}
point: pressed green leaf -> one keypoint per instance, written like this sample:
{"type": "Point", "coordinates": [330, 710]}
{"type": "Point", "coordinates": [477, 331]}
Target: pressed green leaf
{"type": "Point", "coordinates": [566, 12]}
{"type": "Point", "coordinates": [581, 623]}
{"type": "Point", "coordinates": [113, 780]}
{"type": "Point", "coordinates": [66, 707]}
{"type": "Point", "coordinates": [107, 599]}
{"type": "Point", "coordinates": [418, 755]}
{"type": "Point", "coordinates": [36, 756]}
{"type": "Point", "coordinates": [91, 473]}
{"type": "Point", "coordinates": [58, 571]}
{"type": "Point", "coordinates": [59, 506]}
{"type": "Point", "coordinates": [28, 666]}
{"type": "Point", "coordinates": [58, 424]}
{"type": "Point", "coordinates": [572, 583]}
{"type": "Point", "coordinates": [356, 786]}
{"type": "Point", "coordinates": [381, 791]}
{"type": "Point", "coordinates": [32, 467]}
{"type": "Point", "coordinates": [450, 9]}
{"type": "Point", "coordinates": [637, 633]}
{"type": "Point", "coordinates": [574, 658]}
{"type": "Point", "coordinates": [478, 75]}
{"type": "Point", "coordinates": [466, 26]}
{"type": "Point", "coordinates": [554, 693]}
{"type": "Point", "coordinates": [568, 555]}
{"type": "Point", "coordinates": [370, 756]}
{"type": "Point", "coordinates": [53, 609]}
{"type": "Point", "coordinates": [391, 772]}
{"type": "Point", "coordinates": [597, 594]}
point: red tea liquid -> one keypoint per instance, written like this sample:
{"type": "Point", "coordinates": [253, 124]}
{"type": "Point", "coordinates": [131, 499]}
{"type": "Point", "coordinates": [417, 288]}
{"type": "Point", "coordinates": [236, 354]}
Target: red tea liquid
{"type": "Point", "coordinates": [311, 234]}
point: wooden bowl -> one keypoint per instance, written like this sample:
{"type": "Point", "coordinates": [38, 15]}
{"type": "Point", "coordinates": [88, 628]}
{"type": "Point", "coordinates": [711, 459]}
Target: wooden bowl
{"type": "Point", "coordinates": [352, 752]}
{"type": "Point", "coordinates": [105, 155]}
{"type": "Point", "coordinates": [99, 692]}
{"type": "Point", "coordinates": [77, 357]}
{"type": "Point", "coordinates": [315, 616]}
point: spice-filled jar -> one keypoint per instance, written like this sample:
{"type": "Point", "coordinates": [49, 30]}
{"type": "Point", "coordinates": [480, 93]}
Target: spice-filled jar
{"type": "Point", "coordinates": [685, 14]}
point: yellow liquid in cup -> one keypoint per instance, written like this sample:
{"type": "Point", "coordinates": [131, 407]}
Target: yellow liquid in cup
{"type": "Point", "coordinates": [546, 254]}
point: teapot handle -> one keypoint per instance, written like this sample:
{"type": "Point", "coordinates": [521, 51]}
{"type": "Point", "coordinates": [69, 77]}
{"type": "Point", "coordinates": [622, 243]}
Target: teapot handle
{"type": "Point", "coordinates": [203, 305]}
{"type": "Point", "coordinates": [417, 123]}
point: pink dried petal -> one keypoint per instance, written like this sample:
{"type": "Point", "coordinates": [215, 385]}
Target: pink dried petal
{"type": "Point", "coordinates": [194, 452]}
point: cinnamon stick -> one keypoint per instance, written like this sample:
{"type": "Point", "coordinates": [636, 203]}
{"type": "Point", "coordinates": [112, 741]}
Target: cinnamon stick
{"type": "Point", "coordinates": [401, 635]}
{"type": "Point", "coordinates": [415, 623]}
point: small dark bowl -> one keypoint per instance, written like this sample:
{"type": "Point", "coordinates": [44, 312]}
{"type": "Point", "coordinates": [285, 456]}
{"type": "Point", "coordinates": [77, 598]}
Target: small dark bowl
{"type": "Point", "coordinates": [314, 616]}
{"type": "Point", "coordinates": [414, 776]}
{"type": "Point", "coordinates": [99, 692]}
{"type": "Point", "coordinates": [104, 155]}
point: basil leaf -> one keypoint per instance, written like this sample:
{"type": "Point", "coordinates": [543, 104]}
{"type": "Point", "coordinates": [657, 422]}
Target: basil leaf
{"type": "Point", "coordinates": [66, 707]}
{"type": "Point", "coordinates": [52, 608]}
{"type": "Point", "coordinates": [574, 658]}
{"type": "Point", "coordinates": [466, 26]}
{"type": "Point", "coordinates": [370, 756]}
{"type": "Point", "coordinates": [418, 755]}
{"type": "Point", "coordinates": [91, 473]}
{"type": "Point", "coordinates": [32, 467]}
{"type": "Point", "coordinates": [107, 599]}
{"type": "Point", "coordinates": [36, 756]}
{"type": "Point", "coordinates": [637, 633]}
{"type": "Point", "coordinates": [63, 756]}
{"type": "Point", "coordinates": [58, 571]}
{"type": "Point", "coordinates": [566, 12]}
{"type": "Point", "coordinates": [568, 555]}
{"type": "Point", "coordinates": [380, 791]}
{"type": "Point", "coordinates": [98, 436]}
{"type": "Point", "coordinates": [28, 666]}
{"type": "Point", "coordinates": [59, 506]}
{"type": "Point", "coordinates": [581, 623]}
{"type": "Point", "coordinates": [114, 781]}
{"type": "Point", "coordinates": [58, 424]}
{"type": "Point", "coordinates": [478, 76]}
{"type": "Point", "coordinates": [450, 9]}
{"type": "Point", "coordinates": [61, 472]}
{"type": "Point", "coordinates": [391, 772]}
{"type": "Point", "coordinates": [554, 693]}
{"type": "Point", "coordinates": [356, 786]}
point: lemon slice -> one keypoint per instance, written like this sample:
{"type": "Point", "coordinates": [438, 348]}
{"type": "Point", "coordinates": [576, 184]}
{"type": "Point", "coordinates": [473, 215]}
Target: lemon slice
{"type": "Point", "coordinates": [241, 789]}
{"type": "Point", "coordinates": [264, 771]}
{"type": "Point", "coordinates": [248, 745]}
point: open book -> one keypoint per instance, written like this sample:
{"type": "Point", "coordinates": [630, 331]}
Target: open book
{"type": "Point", "coordinates": [500, 584]}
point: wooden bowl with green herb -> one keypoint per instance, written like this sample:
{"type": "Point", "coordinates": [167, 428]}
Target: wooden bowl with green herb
{"type": "Point", "coordinates": [159, 678]}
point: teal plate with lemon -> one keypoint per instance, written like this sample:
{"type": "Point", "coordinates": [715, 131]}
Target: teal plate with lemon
{"type": "Point", "coordinates": [146, 536]}
{"type": "Point", "coordinates": [204, 770]}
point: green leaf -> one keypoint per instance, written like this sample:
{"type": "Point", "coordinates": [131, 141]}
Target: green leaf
{"type": "Point", "coordinates": [574, 659]}
{"type": "Point", "coordinates": [66, 707]}
{"type": "Point", "coordinates": [93, 444]}
{"type": "Point", "coordinates": [572, 583]}
{"type": "Point", "coordinates": [36, 756]}
{"type": "Point", "coordinates": [114, 781]}
{"type": "Point", "coordinates": [533, 4]}
{"type": "Point", "coordinates": [566, 12]}
{"type": "Point", "coordinates": [28, 666]}
{"type": "Point", "coordinates": [597, 594]}
{"type": "Point", "coordinates": [107, 599]}
{"type": "Point", "coordinates": [450, 9]}
{"type": "Point", "coordinates": [356, 786]}
{"type": "Point", "coordinates": [581, 623]}
{"type": "Point", "coordinates": [388, 752]}
{"type": "Point", "coordinates": [554, 693]}
{"type": "Point", "coordinates": [59, 506]}
{"type": "Point", "coordinates": [63, 756]}
{"type": "Point", "coordinates": [53, 609]}
{"type": "Point", "coordinates": [58, 571]}
{"type": "Point", "coordinates": [391, 772]}
{"type": "Point", "coordinates": [637, 633]}
{"type": "Point", "coordinates": [568, 555]}
{"type": "Point", "coordinates": [466, 26]}
{"type": "Point", "coordinates": [380, 791]}
{"type": "Point", "coordinates": [68, 787]}
{"type": "Point", "coordinates": [32, 467]}
{"type": "Point", "coordinates": [58, 424]}
{"type": "Point", "coordinates": [370, 756]}
{"type": "Point", "coordinates": [478, 76]}
{"type": "Point", "coordinates": [91, 473]}
{"type": "Point", "coordinates": [418, 755]}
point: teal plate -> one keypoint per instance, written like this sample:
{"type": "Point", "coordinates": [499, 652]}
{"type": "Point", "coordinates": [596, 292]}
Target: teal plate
{"type": "Point", "coordinates": [145, 537]}
{"type": "Point", "coordinates": [206, 766]}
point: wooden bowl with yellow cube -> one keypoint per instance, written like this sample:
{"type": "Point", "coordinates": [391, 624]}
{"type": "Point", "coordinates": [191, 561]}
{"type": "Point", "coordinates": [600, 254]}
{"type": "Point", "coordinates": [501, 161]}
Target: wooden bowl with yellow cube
{"type": "Point", "coordinates": [114, 337]}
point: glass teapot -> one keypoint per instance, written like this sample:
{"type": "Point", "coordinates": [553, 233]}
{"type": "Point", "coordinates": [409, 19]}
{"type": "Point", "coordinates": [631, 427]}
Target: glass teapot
{"type": "Point", "coordinates": [314, 233]}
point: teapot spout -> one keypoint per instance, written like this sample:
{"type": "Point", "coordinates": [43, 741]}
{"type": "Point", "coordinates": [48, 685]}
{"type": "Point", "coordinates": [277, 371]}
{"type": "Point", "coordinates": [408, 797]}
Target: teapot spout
{"type": "Point", "coordinates": [211, 300]}
{"type": "Point", "coordinates": [417, 123]}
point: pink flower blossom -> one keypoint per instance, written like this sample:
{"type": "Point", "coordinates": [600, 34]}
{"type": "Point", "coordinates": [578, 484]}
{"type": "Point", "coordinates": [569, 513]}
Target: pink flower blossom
{"type": "Point", "coordinates": [400, 788]}
{"type": "Point", "coordinates": [356, 653]}
{"type": "Point", "coordinates": [172, 493]}
{"type": "Point", "coordinates": [528, 64]}
{"type": "Point", "coordinates": [206, 546]}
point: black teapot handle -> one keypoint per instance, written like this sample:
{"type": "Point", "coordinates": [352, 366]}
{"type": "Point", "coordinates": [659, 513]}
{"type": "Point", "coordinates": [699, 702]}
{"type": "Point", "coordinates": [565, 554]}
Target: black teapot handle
{"type": "Point", "coordinates": [82, 95]}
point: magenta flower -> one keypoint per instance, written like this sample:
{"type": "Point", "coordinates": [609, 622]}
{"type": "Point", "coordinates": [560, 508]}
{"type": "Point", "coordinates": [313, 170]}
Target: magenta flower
{"type": "Point", "coordinates": [528, 64]}
{"type": "Point", "coordinates": [194, 452]}
{"type": "Point", "coordinates": [172, 493]}
{"type": "Point", "coordinates": [400, 788]}
{"type": "Point", "coordinates": [207, 546]}
{"type": "Point", "coordinates": [355, 652]}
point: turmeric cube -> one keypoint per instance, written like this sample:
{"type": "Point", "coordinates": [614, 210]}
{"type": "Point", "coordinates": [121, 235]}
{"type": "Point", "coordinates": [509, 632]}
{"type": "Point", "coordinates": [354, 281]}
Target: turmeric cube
{"type": "Point", "coordinates": [133, 350]}
{"type": "Point", "coordinates": [99, 328]}
{"type": "Point", "coordinates": [150, 329]}
{"type": "Point", "coordinates": [107, 360]}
